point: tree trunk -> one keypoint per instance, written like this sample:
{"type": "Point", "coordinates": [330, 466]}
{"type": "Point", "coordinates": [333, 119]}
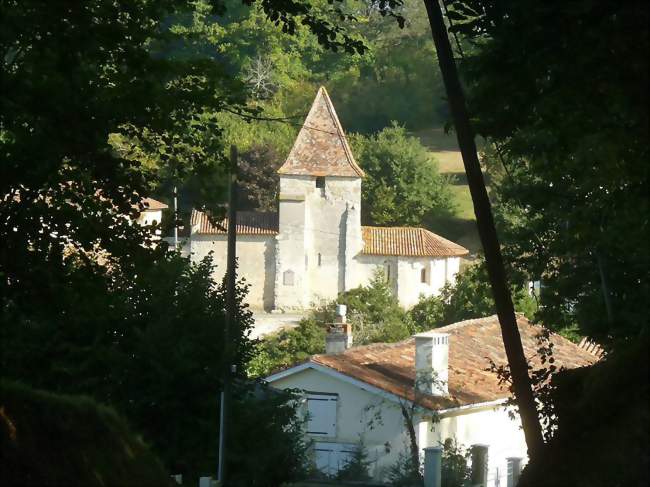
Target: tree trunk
{"type": "Point", "coordinates": [410, 428]}
{"type": "Point", "coordinates": [487, 232]}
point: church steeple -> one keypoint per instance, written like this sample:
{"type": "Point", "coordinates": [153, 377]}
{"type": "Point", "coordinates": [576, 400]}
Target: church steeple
{"type": "Point", "coordinates": [321, 148]}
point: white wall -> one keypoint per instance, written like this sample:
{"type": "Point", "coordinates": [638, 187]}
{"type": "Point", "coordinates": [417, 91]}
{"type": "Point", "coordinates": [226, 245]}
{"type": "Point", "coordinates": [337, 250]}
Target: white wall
{"type": "Point", "coordinates": [409, 277]}
{"type": "Point", "coordinates": [256, 259]}
{"type": "Point", "coordinates": [487, 425]}
{"type": "Point", "coordinates": [148, 217]}
{"type": "Point", "coordinates": [405, 276]}
{"type": "Point", "coordinates": [316, 222]}
{"type": "Point", "coordinates": [356, 409]}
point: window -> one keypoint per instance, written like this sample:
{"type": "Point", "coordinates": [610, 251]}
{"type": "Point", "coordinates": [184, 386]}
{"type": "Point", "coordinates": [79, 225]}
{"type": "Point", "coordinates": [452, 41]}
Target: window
{"type": "Point", "coordinates": [423, 275]}
{"type": "Point", "coordinates": [320, 260]}
{"type": "Point", "coordinates": [387, 271]}
{"type": "Point", "coordinates": [320, 182]}
{"type": "Point", "coordinates": [287, 278]}
{"type": "Point", "coordinates": [330, 458]}
{"type": "Point", "coordinates": [514, 471]}
{"type": "Point", "coordinates": [479, 454]}
{"type": "Point", "coordinates": [321, 410]}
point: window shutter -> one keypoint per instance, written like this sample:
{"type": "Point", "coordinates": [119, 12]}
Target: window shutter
{"type": "Point", "coordinates": [479, 465]}
{"type": "Point", "coordinates": [514, 470]}
{"type": "Point", "coordinates": [322, 414]}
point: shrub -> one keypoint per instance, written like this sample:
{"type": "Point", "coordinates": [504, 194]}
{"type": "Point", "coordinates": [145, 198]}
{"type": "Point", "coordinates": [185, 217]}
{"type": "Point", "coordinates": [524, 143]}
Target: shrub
{"type": "Point", "coordinates": [52, 439]}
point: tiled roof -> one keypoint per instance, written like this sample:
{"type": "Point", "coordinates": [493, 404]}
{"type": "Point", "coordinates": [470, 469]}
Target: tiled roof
{"type": "Point", "coordinates": [248, 223]}
{"type": "Point", "coordinates": [153, 205]}
{"type": "Point", "coordinates": [472, 344]}
{"type": "Point", "coordinates": [408, 241]}
{"type": "Point", "coordinates": [321, 148]}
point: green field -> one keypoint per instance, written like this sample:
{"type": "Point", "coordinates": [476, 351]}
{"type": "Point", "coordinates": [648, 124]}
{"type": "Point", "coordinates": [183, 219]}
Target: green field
{"type": "Point", "coordinates": [461, 227]}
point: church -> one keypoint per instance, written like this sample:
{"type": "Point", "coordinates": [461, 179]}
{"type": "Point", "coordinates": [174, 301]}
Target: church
{"type": "Point", "coordinates": [315, 247]}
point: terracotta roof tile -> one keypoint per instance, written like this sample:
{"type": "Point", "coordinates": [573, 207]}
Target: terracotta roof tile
{"type": "Point", "coordinates": [472, 344]}
{"type": "Point", "coordinates": [408, 241]}
{"type": "Point", "coordinates": [321, 148]}
{"type": "Point", "coordinates": [248, 223]}
{"type": "Point", "coordinates": [153, 205]}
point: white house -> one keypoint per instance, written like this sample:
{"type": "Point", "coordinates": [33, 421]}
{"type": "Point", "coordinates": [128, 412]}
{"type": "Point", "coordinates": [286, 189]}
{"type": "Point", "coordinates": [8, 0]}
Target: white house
{"type": "Point", "coordinates": [152, 212]}
{"type": "Point", "coordinates": [359, 392]}
{"type": "Point", "coordinates": [315, 247]}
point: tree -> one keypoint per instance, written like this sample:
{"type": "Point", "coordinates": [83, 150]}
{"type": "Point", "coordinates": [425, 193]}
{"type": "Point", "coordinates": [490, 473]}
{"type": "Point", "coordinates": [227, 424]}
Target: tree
{"type": "Point", "coordinates": [288, 347]}
{"type": "Point", "coordinates": [258, 179]}
{"type": "Point", "coordinates": [571, 138]}
{"type": "Point", "coordinates": [487, 232]}
{"type": "Point", "coordinates": [372, 310]}
{"type": "Point", "coordinates": [52, 439]}
{"type": "Point", "coordinates": [467, 298]}
{"type": "Point", "coordinates": [356, 467]}
{"type": "Point", "coordinates": [402, 182]}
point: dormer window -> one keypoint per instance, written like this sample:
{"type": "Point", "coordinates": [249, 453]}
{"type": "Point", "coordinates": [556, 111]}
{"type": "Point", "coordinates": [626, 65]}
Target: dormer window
{"type": "Point", "coordinates": [320, 182]}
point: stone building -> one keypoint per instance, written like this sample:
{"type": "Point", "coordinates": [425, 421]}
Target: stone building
{"type": "Point", "coordinates": [315, 247]}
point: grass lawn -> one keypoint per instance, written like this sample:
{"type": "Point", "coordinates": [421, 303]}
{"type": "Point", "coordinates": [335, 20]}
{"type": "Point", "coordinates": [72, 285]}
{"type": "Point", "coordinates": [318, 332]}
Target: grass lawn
{"type": "Point", "coordinates": [461, 227]}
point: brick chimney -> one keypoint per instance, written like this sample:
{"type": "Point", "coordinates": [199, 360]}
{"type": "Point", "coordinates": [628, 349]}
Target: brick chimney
{"type": "Point", "coordinates": [339, 333]}
{"type": "Point", "coordinates": [432, 362]}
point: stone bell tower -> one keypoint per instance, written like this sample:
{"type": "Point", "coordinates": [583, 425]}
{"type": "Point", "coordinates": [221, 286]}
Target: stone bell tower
{"type": "Point", "coordinates": [319, 212]}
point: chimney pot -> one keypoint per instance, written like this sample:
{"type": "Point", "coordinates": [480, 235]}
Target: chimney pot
{"type": "Point", "coordinates": [339, 333]}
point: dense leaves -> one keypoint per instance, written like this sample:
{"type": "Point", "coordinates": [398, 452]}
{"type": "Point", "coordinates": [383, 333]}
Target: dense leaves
{"type": "Point", "coordinates": [403, 183]}
{"type": "Point", "coordinates": [470, 296]}
{"type": "Point", "coordinates": [52, 439]}
{"type": "Point", "coordinates": [562, 91]}
{"type": "Point", "coordinates": [372, 310]}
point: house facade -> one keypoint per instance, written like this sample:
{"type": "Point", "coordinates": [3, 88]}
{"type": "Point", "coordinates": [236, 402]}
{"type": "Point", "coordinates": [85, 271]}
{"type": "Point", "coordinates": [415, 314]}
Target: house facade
{"type": "Point", "coordinates": [359, 393]}
{"type": "Point", "coordinates": [314, 247]}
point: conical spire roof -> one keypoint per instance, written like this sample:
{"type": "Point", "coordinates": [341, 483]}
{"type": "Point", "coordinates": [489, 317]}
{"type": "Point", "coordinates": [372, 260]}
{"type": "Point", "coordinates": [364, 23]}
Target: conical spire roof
{"type": "Point", "coordinates": [321, 148]}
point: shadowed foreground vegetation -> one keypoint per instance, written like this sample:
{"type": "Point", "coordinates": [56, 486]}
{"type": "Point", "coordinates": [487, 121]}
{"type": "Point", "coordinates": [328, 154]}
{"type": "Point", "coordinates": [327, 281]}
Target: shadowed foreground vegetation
{"type": "Point", "coordinates": [51, 439]}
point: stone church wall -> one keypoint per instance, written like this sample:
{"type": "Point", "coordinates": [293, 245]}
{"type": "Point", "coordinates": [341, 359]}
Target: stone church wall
{"type": "Point", "coordinates": [256, 259]}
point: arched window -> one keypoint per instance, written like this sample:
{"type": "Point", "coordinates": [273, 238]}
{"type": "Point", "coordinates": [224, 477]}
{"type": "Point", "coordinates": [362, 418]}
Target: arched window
{"type": "Point", "coordinates": [320, 260]}
{"type": "Point", "coordinates": [423, 275]}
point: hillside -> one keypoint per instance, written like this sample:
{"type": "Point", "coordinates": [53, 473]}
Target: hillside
{"type": "Point", "coordinates": [460, 227]}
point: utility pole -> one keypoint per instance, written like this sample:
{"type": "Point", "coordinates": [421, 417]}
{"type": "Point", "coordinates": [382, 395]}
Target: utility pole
{"type": "Point", "coordinates": [230, 325]}
{"type": "Point", "coordinates": [175, 218]}
{"type": "Point", "coordinates": [487, 231]}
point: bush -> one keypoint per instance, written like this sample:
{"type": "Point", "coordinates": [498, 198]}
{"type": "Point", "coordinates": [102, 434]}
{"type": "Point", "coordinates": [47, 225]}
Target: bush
{"type": "Point", "coordinates": [356, 468]}
{"type": "Point", "coordinates": [373, 311]}
{"type": "Point", "coordinates": [52, 439]}
{"type": "Point", "coordinates": [455, 471]}
{"type": "Point", "coordinates": [404, 472]}
{"type": "Point", "coordinates": [469, 297]}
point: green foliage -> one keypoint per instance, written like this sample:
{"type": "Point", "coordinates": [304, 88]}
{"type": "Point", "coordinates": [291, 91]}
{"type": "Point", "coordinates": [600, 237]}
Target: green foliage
{"type": "Point", "coordinates": [570, 174]}
{"type": "Point", "coordinates": [288, 347]}
{"type": "Point", "coordinates": [454, 472]}
{"type": "Point", "coordinates": [257, 179]}
{"type": "Point", "coordinates": [404, 472]}
{"type": "Point", "coordinates": [606, 403]}
{"type": "Point", "coordinates": [402, 182]}
{"type": "Point", "coordinates": [470, 296]}
{"type": "Point", "coordinates": [148, 342]}
{"type": "Point", "coordinates": [374, 313]}
{"type": "Point", "coordinates": [356, 468]}
{"type": "Point", "coordinates": [53, 439]}
{"type": "Point", "coordinates": [265, 413]}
